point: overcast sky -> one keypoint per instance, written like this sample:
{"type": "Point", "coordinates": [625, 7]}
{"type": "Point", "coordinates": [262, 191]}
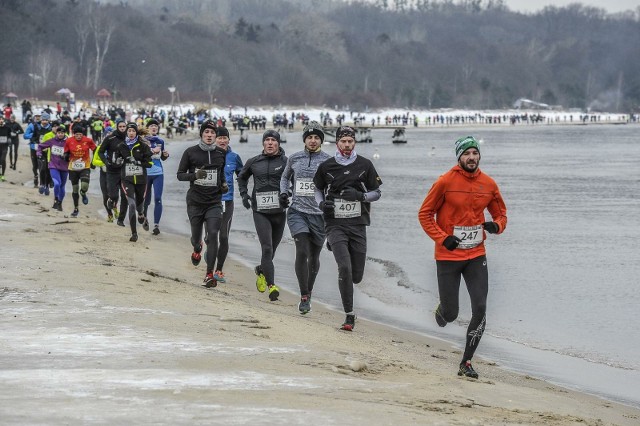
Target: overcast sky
{"type": "Point", "coordinates": [611, 6]}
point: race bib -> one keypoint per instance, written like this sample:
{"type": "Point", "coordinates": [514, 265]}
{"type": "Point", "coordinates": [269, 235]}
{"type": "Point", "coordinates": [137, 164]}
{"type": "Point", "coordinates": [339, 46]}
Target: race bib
{"type": "Point", "coordinates": [305, 187]}
{"type": "Point", "coordinates": [347, 209]}
{"type": "Point", "coordinates": [470, 236]}
{"type": "Point", "coordinates": [132, 170]}
{"type": "Point", "coordinates": [210, 180]}
{"type": "Point", "coordinates": [57, 150]}
{"type": "Point", "coordinates": [267, 200]}
{"type": "Point", "coordinates": [4, 139]}
{"type": "Point", "coordinates": [78, 165]}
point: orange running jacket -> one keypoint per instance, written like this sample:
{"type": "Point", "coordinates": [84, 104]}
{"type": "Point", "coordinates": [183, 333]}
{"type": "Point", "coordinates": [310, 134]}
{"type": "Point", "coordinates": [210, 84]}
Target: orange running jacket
{"type": "Point", "coordinates": [459, 198]}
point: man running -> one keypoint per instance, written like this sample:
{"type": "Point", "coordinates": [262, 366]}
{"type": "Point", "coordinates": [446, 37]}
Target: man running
{"type": "Point", "coordinates": [304, 217]}
{"type": "Point", "coordinates": [77, 151]}
{"type": "Point", "coordinates": [16, 131]}
{"type": "Point", "coordinates": [452, 214]}
{"type": "Point", "coordinates": [107, 153]}
{"type": "Point", "coordinates": [346, 185]}
{"type": "Point", "coordinates": [233, 164]}
{"type": "Point", "coordinates": [269, 217]}
{"type": "Point", "coordinates": [202, 165]}
{"type": "Point", "coordinates": [33, 133]}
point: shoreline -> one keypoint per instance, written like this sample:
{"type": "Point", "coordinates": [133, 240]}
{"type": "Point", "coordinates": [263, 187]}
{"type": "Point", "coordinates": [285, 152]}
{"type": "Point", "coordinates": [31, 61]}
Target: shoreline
{"type": "Point", "coordinates": [135, 321]}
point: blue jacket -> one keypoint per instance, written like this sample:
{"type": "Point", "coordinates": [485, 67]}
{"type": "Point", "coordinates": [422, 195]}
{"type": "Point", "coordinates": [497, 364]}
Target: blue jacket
{"type": "Point", "coordinates": [156, 169]}
{"type": "Point", "coordinates": [233, 165]}
{"type": "Point", "coordinates": [34, 133]}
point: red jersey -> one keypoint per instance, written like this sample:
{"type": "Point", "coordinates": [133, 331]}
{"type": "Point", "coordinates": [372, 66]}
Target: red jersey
{"type": "Point", "coordinates": [79, 152]}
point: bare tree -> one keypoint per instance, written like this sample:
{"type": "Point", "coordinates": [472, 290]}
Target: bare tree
{"type": "Point", "coordinates": [212, 81]}
{"type": "Point", "coordinates": [83, 31]}
{"type": "Point", "coordinates": [102, 26]}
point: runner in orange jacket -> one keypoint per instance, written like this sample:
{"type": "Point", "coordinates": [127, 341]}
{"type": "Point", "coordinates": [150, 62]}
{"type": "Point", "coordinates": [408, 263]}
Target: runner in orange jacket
{"type": "Point", "coordinates": [452, 214]}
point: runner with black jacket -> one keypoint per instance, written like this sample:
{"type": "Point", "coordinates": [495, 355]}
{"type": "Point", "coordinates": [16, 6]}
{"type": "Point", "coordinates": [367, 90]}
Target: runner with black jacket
{"type": "Point", "coordinates": [134, 155]}
{"type": "Point", "coordinates": [269, 215]}
{"type": "Point", "coordinates": [202, 166]}
{"type": "Point", "coordinates": [107, 153]}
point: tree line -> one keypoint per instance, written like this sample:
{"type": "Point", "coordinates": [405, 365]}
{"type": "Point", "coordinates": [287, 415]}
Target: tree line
{"type": "Point", "coordinates": [403, 53]}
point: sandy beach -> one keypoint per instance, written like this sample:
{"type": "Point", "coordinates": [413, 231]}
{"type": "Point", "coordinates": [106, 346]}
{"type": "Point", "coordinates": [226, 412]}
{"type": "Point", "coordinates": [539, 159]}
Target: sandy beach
{"type": "Point", "coordinates": [98, 330]}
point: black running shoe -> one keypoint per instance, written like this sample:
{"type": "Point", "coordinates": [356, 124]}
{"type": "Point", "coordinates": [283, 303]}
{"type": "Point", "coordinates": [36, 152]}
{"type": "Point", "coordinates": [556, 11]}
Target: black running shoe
{"type": "Point", "coordinates": [349, 323]}
{"type": "Point", "coordinates": [439, 318]}
{"type": "Point", "coordinates": [156, 230]}
{"type": "Point", "coordinates": [196, 257]}
{"type": "Point", "coordinates": [209, 281]}
{"type": "Point", "coordinates": [134, 237]}
{"type": "Point", "coordinates": [75, 213]}
{"type": "Point", "coordinates": [141, 219]}
{"type": "Point", "coordinates": [145, 224]}
{"type": "Point", "coordinates": [467, 370]}
{"type": "Point", "coordinates": [120, 222]}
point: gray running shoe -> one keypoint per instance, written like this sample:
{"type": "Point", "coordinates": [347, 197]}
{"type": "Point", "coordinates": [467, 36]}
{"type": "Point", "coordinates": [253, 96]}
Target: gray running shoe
{"type": "Point", "coordinates": [305, 305]}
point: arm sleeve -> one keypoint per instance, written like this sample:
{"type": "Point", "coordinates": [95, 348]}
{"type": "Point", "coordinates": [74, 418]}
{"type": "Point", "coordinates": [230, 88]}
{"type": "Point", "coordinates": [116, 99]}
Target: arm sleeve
{"type": "Point", "coordinates": [183, 173]}
{"type": "Point", "coordinates": [498, 211]}
{"type": "Point", "coordinates": [28, 134]}
{"type": "Point", "coordinates": [243, 178]}
{"type": "Point", "coordinates": [427, 213]}
{"type": "Point", "coordinates": [285, 179]}
{"type": "Point", "coordinates": [319, 196]}
{"type": "Point", "coordinates": [372, 196]}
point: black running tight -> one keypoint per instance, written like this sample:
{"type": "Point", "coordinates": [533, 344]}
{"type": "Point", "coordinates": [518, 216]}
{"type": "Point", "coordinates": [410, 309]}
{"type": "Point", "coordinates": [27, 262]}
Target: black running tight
{"type": "Point", "coordinates": [476, 278]}
{"type": "Point", "coordinates": [225, 228]}
{"type": "Point", "coordinates": [135, 199]}
{"type": "Point", "coordinates": [270, 228]}
{"type": "Point", "coordinates": [350, 270]}
{"type": "Point", "coordinates": [307, 262]}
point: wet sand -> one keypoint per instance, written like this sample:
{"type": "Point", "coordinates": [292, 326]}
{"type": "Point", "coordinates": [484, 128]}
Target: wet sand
{"type": "Point", "coordinates": [99, 330]}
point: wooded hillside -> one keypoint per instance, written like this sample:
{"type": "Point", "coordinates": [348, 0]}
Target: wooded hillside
{"type": "Point", "coordinates": [404, 53]}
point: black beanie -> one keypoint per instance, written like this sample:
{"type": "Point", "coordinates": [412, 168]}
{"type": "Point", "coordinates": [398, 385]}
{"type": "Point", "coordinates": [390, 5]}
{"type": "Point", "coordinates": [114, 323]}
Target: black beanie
{"type": "Point", "coordinates": [207, 124]}
{"type": "Point", "coordinates": [345, 131]}
{"type": "Point", "coordinates": [313, 128]}
{"type": "Point", "coordinates": [77, 128]}
{"type": "Point", "coordinates": [272, 134]}
{"type": "Point", "coordinates": [152, 121]}
{"type": "Point", "coordinates": [132, 125]}
{"type": "Point", "coordinates": [222, 131]}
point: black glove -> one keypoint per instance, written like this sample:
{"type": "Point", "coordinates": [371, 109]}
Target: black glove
{"type": "Point", "coordinates": [451, 242]}
{"type": "Point", "coordinates": [67, 156]}
{"type": "Point", "coordinates": [327, 207]}
{"type": "Point", "coordinates": [352, 194]}
{"type": "Point", "coordinates": [284, 200]}
{"type": "Point", "coordinates": [246, 201]}
{"type": "Point", "coordinates": [491, 227]}
{"type": "Point", "coordinates": [224, 187]}
{"type": "Point", "coordinates": [201, 174]}
{"type": "Point", "coordinates": [93, 166]}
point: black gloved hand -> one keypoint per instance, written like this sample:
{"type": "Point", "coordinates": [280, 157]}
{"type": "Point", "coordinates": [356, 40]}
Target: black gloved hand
{"type": "Point", "coordinates": [67, 156]}
{"type": "Point", "coordinates": [491, 227]}
{"type": "Point", "coordinates": [224, 187]}
{"type": "Point", "coordinates": [451, 242]}
{"type": "Point", "coordinates": [352, 194]}
{"type": "Point", "coordinates": [246, 201]}
{"type": "Point", "coordinates": [327, 207]}
{"type": "Point", "coordinates": [201, 174]}
{"type": "Point", "coordinates": [119, 161]}
{"type": "Point", "coordinates": [284, 200]}
{"type": "Point", "coordinates": [92, 166]}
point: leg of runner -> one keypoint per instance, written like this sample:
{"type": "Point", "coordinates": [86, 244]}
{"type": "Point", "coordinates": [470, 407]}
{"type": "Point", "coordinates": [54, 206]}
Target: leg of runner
{"type": "Point", "coordinates": [223, 237]}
